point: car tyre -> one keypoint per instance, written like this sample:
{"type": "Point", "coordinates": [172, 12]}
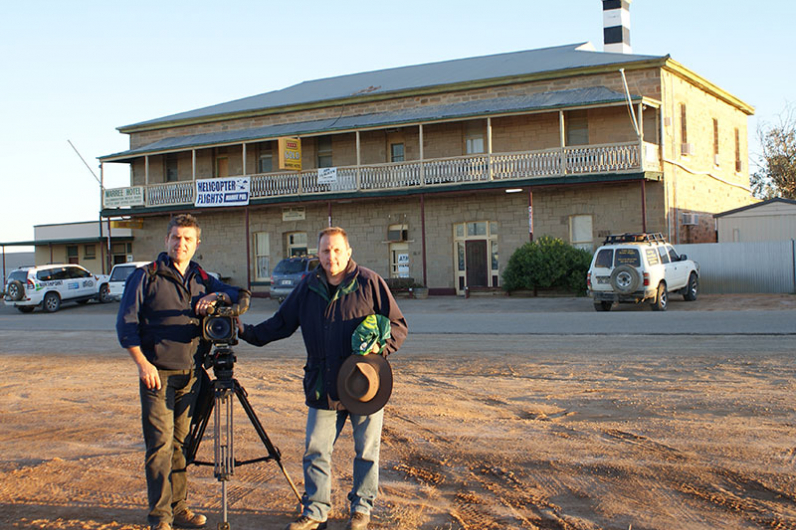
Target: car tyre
{"type": "Point", "coordinates": [625, 279]}
{"type": "Point", "coordinates": [104, 294]}
{"type": "Point", "coordinates": [15, 290]}
{"type": "Point", "coordinates": [52, 302]}
{"type": "Point", "coordinates": [603, 306]}
{"type": "Point", "coordinates": [26, 308]}
{"type": "Point", "coordinates": [661, 301]}
{"type": "Point", "coordinates": [692, 289]}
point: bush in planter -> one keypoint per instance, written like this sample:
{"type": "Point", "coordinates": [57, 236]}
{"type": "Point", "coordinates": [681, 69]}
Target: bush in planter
{"type": "Point", "coordinates": [547, 263]}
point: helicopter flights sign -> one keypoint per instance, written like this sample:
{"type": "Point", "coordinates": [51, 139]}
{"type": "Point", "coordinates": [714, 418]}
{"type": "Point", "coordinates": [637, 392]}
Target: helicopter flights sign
{"type": "Point", "coordinates": [227, 191]}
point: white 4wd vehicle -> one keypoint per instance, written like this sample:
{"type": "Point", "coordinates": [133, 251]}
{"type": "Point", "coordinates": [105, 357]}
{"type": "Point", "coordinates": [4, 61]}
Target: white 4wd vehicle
{"type": "Point", "coordinates": [119, 274]}
{"type": "Point", "coordinates": [49, 285]}
{"type": "Point", "coordinates": [639, 267]}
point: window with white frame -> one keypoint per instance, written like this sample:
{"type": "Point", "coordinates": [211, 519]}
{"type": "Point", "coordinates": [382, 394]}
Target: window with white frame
{"type": "Point", "coordinates": [170, 168]}
{"type": "Point", "coordinates": [265, 162]}
{"type": "Point", "coordinates": [581, 232]}
{"type": "Point", "coordinates": [262, 259]}
{"type": "Point", "coordinates": [324, 151]}
{"type": "Point", "coordinates": [576, 123]}
{"type": "Point", "coordinates": [474, 137]}
{"type": "Point", "coordinates": [399, 260]}
{"type": "Point", "coordinates": [296, 244]}
{"type": "Point", "coordinates": [397, 152]}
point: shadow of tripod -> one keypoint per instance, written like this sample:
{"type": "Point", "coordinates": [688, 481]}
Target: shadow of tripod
{"type": "Point", "coordinates": [224, 386]}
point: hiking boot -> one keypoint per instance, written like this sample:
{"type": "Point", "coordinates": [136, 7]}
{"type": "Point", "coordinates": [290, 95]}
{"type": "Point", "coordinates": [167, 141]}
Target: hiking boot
{"type": "Point", "coordinates": [305, 523]}
{"type": "Point", "coordinates": [188, 519]}
{"type": "Point", "coordinates": [358, 521]}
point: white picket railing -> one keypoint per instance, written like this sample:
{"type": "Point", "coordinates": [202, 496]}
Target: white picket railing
{"type": "Point", "coordinates": [171, 193]}
{"type": "Point", "coordinates": [580, 160]}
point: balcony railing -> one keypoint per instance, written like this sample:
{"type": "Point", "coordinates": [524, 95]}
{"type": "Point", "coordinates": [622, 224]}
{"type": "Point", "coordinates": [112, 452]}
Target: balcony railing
{"type": "Point", "coordinates": [579, 160]}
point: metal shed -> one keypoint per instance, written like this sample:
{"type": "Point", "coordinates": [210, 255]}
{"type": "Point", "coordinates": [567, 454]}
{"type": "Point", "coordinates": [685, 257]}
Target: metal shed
{"type": "Point", "coordinates": [771, 220]}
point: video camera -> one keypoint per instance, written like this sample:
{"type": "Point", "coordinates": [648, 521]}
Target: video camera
{"type": "Point", "coordinates": [218, 327]}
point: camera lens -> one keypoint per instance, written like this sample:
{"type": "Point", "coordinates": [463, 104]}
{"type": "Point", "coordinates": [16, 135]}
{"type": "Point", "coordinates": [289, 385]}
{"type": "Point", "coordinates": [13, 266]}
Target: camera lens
{"type": "Point", "coordinates": [219, 328]}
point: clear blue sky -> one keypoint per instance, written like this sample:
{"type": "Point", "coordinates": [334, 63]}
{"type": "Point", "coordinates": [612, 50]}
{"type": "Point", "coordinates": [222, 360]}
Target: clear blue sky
{"type": "Point", "coordinates": [78, 70]}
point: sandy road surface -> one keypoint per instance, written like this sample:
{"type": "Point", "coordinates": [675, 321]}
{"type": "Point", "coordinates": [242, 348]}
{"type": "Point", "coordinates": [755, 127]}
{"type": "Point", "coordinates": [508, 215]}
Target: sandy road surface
{"type": "Point", "coordinates": [482, 432]}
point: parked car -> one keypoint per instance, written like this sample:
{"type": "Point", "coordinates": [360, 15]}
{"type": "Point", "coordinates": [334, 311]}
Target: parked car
{"type": "Point", "coordinates": [288, 273]}
{"type": "Point", "coordinates": [118, 278]}
{"type": "Point", "coordinates": [637, 268]}
{"type": "Point", "coordinates": [121, 271]}
{"type": "Point", "coordinates": [47, 286]}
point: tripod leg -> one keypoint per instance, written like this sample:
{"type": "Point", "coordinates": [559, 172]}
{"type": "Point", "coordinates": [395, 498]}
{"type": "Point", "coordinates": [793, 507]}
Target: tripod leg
{"type": "Point", "coordinates": [224, 445]}
{"type": "Point", "coordinates": [197, 431]}
{"type": "Point", "coordinates": [273, 452]}
{"type": "Point", "coordinates": [224, 524]}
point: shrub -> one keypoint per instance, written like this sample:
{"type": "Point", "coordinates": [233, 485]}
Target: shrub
{"type": "Point", "coordinates": [547, 263]}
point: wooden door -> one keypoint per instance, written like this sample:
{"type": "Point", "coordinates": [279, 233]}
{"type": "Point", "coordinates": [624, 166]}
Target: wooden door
{"type": "Point", "coordinates": [477, 273]}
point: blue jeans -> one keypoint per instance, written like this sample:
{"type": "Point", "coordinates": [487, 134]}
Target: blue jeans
{"type": "Point", "coordinates": [166, 418]}
{"type": "Point", "coordinates": [323, 429]}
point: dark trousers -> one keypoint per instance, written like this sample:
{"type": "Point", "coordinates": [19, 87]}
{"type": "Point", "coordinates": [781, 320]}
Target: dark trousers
{"type": "Point", "coordinates": [166, 417]}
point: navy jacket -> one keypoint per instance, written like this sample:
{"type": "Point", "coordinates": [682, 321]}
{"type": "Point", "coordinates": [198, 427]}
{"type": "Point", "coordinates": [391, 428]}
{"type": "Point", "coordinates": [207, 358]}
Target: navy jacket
{"type": "Point", "coordinates": [327, 324]}
{"type": "Point", "coordinates": [157, 312]}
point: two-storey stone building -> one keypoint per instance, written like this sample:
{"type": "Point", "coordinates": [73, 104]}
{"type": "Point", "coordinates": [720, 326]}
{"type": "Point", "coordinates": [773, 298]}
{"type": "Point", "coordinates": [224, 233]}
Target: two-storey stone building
{"type": "Point", "coordinates": [442, 170]}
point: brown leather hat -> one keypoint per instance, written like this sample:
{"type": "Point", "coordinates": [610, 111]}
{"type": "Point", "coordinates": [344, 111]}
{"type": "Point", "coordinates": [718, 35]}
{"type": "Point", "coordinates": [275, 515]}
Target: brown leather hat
{"type": "Point", "coordinates": [364, 383]}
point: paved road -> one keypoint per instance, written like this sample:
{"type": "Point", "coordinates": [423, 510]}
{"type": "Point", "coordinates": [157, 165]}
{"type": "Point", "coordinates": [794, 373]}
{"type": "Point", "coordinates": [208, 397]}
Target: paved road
{"type": "Point", "coordinates": [497, 315]}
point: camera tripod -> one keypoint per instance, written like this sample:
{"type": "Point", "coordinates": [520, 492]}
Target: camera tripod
{"type": "Point", "coordinates": [224, 386]}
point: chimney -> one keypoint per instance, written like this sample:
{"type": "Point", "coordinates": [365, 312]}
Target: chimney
{"type": "Point", "coordinates": [616, 26]}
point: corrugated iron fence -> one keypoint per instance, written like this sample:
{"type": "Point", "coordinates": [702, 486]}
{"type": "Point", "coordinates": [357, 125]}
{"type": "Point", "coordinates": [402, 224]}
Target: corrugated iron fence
{"type": "Point", "coordinates": [761, 267]}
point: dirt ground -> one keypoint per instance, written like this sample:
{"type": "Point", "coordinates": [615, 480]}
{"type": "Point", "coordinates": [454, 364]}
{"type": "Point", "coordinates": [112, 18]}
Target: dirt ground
{"type": "Point", "coordinates": [482, 432]}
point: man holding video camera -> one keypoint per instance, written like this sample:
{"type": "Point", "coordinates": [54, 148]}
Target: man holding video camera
{"type": "Point", "coordinates": [331, 304]}
{"type": "Point", "coordinates": [159, 325]}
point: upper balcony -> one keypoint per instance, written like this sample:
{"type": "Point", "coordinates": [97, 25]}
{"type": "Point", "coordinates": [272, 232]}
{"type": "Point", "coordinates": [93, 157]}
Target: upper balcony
{"type": "Point", "coordinates": [434, 174]}
{"type": "Point", "coordinates": [587, 136]}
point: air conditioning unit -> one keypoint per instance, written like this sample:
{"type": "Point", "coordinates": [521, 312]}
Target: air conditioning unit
{"type": "Point", "coordinates": [686, 149]}
{"type": "Point", "coordinates": [690, 219]}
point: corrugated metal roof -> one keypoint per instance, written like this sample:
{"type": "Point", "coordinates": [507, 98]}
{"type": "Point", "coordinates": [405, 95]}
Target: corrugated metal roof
{"type": "Point", "coordinates": [422, 76]}
{"type": "Point", "coordinates": [781, 200]}
{"type": "Point", "coordinates": [429, 113]}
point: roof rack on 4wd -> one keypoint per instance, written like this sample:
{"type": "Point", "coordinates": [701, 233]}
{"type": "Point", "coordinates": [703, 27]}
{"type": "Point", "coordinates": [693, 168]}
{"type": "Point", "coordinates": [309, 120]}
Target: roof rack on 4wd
{"type": "Point", "coordinates": [635, 238]}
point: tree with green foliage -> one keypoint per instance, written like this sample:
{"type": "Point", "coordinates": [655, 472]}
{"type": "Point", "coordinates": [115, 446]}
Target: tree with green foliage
{"type": "Point", "coordinates": [547, 263]}
{"type": "Point", "coordinates": [777, 174]}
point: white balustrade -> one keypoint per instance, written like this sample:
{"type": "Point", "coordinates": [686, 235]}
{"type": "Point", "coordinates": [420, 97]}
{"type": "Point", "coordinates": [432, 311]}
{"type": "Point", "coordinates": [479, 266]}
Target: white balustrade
{"type": "Point", "coordinates": [574, 160]}
{"type": "Point", "coordinates": [171, 193]}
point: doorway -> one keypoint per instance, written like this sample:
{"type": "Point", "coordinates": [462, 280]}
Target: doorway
{"type": "Point", "coordinates": [475, 254]}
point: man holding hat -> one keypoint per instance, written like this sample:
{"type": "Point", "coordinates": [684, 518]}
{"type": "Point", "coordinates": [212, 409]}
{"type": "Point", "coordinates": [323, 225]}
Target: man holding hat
{"type": "Point", "coordinates": [350, 323]}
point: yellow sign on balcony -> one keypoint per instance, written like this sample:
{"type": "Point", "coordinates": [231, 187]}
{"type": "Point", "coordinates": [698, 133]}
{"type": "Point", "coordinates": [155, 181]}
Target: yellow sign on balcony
{"type": "Point", "coordinates": [290, 153]}
{"type": "Point", "coordinates": [128, 223]}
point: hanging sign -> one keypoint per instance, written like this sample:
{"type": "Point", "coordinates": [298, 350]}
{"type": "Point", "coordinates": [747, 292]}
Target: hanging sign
{"type": "Point", "coordinates": [327, 175]}
{"type": "Point", "coordinates": [136, 224]}
{"type": "Point", "coordinates": [228, 191]}
{"type": "Point", "coordinates": [289, 153]}
{"type": "Point", "coordinates": [530, 219]}
{"type": "Point", "coordinates": [121, 197]}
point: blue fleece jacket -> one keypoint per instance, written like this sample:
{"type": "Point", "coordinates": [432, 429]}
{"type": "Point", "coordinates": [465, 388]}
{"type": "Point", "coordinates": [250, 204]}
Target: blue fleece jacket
{"type": "Point", "coordinates": [327, 324]}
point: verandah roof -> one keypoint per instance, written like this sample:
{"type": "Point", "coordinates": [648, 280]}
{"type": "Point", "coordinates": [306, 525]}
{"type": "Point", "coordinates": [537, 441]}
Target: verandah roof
{"type": "Point", "coordinates": [471, 109]}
